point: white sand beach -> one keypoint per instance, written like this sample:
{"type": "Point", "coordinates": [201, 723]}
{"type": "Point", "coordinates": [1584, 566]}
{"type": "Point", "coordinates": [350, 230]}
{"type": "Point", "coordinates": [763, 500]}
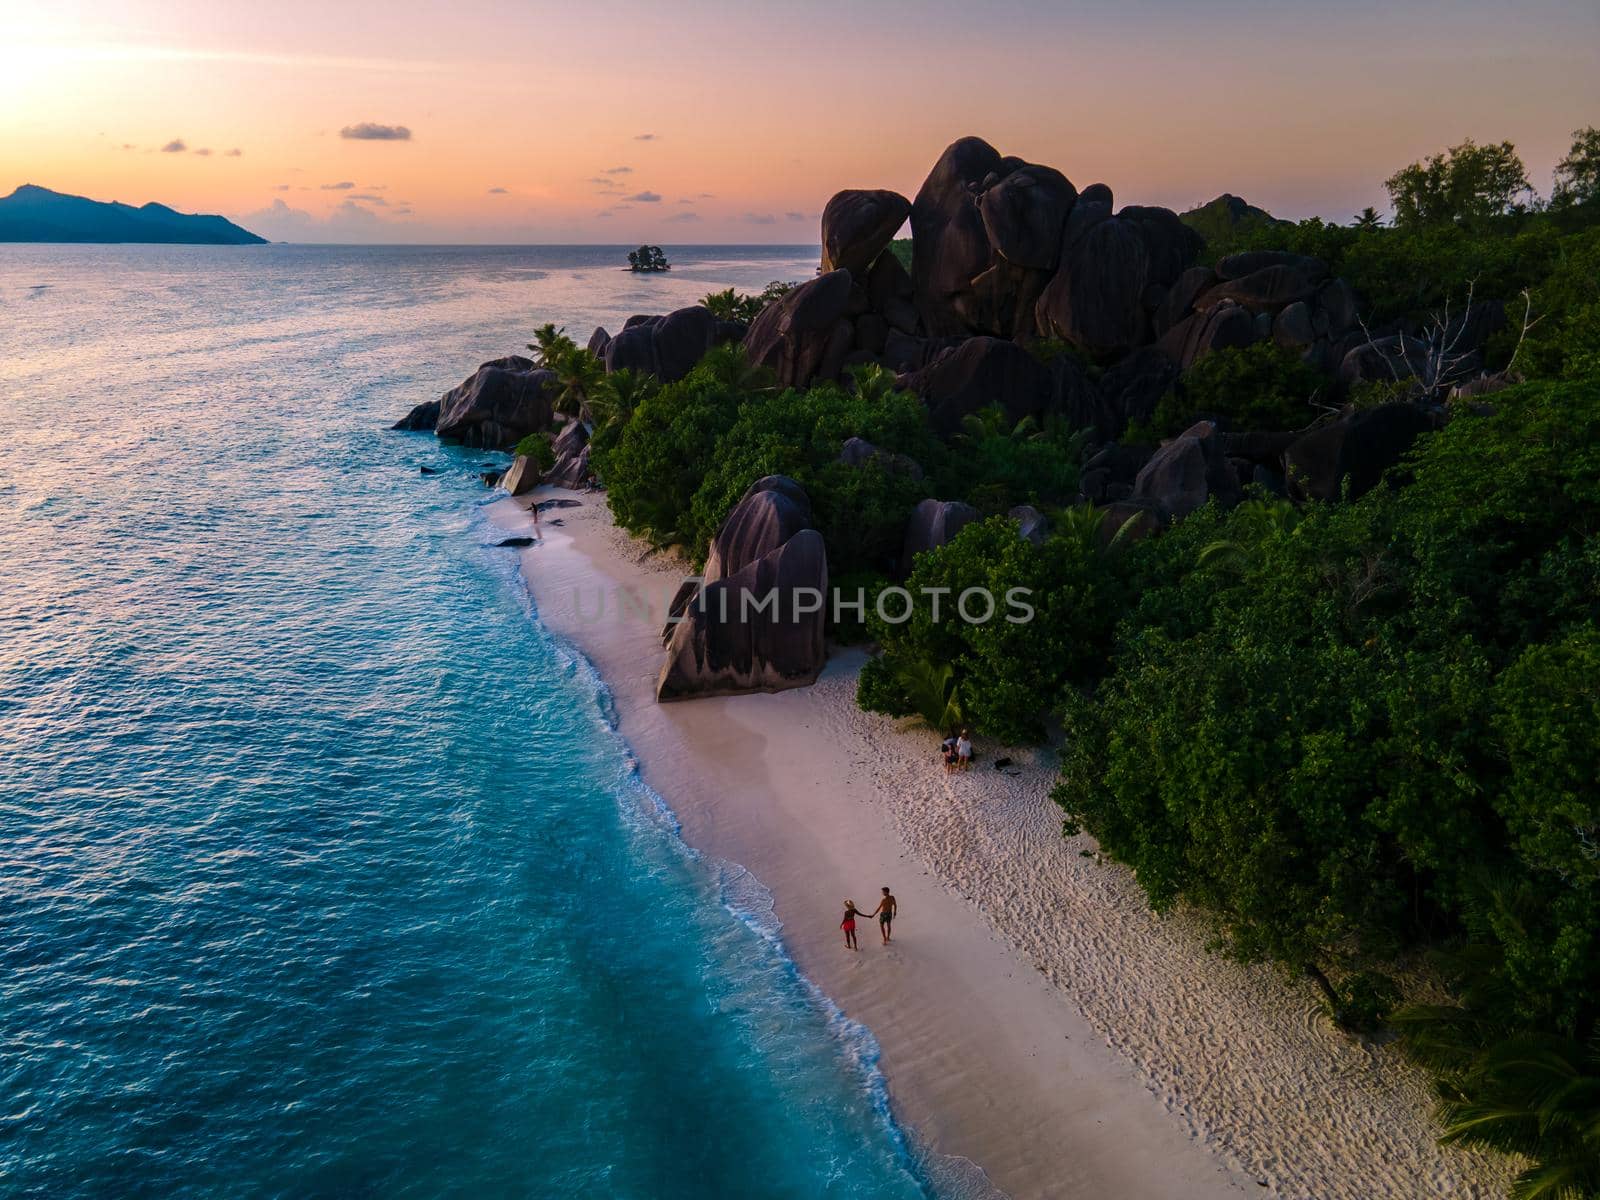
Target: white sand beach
{"type": "Point", "coordinates": [1034, 1016]}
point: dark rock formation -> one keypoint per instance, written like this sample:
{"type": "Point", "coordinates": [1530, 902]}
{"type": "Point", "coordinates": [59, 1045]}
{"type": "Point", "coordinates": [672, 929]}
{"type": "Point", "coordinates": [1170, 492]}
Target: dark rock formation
{"type": "Point", "coordinates": [1185, 472]}
{"type": "Point", "coordinates": [932, 524]}
{"type": "Point", "coordinates": [1025, 215]}
{"type": "Point", "coordinates": [498, 405]}
{"type": "Point", "coordinates": [1131, 389]}
{"type": "Point", "coordinates": [805, 335]}
{"type": "Point", "coordinates": [1031, 523]}
{"type": "Point", "coordinates": [598, 341]}
{"type": "Point", "coordinates": [979, 372]}
{"type": "Point", "coordinates": [1129, 520]}
{"type": "Point", "coordinates": [571, 468]}
{"type": "Point", "coordinates": [423, 416]}
{"type": "Point", "coordinates": [757, 623]}
{"type": "Point", "coordinates": [667, 347]}
{"type": "Point", "coordinates": [1248, 262]}
{"type": "Point", "coordinates": [1387, 358]}
{"type": "Point", "coordinates": [522, 476]}
{"type": "Point", "coordinates": [772, 511]}
{"type": "Point", "coordinates": [858, 225]}
{"type": "Point", "coordinates": [1266, 290]}
{"type": "Point", "coordinates": [949, 245]}
{"type": "Point", "coordinates": [1227, 326]}
{"type": "Point", "coordinates": [1359, 446]}
{"type": "Point", "coordinates": [857, 452]}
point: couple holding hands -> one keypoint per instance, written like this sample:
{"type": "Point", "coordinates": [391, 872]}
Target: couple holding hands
{"type": "Point", "coordinates": [884, 912]}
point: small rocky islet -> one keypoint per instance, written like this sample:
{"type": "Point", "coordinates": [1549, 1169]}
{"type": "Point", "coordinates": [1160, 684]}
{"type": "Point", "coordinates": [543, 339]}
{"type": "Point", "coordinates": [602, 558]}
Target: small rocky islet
{"type": "Point", "coordinates": [1026, 293]}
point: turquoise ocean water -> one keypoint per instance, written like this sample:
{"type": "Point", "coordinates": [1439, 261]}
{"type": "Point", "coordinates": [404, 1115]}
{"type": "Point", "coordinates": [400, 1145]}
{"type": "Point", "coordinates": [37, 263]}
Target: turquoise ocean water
{"type": "Point", "coordinates": [322, 871]}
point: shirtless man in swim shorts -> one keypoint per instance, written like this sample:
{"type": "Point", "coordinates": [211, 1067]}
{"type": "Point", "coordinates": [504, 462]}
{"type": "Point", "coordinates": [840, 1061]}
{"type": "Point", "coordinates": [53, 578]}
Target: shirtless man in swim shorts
{"type": "Point", "coordinates": [885, 914]}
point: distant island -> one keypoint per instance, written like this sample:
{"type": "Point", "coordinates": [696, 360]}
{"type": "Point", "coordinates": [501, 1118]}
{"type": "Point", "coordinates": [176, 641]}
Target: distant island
{"type": "Point", "coordinates": [36, 214]}
{"type": "Point", "coordinates": [648, 258]}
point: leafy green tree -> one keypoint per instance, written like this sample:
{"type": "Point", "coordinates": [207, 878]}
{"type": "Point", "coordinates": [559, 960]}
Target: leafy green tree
{"type": "Point", "coordinates": [1263, 386]}
{"type": "Point", "coordinates": [1013, 668]}
{"type": "Point", "coordinates": [1578, 174]}
{"type": "Point", "coordinates": [1368, 220]}
{"type": "Point", "coordinates": [1466, 182]}
{"type": "Point", "coordinates": [861, 510]}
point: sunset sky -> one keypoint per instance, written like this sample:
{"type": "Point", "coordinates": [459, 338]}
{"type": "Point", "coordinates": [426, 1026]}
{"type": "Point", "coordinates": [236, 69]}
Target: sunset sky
{"type": "Point", "coordinates": [735, 120]}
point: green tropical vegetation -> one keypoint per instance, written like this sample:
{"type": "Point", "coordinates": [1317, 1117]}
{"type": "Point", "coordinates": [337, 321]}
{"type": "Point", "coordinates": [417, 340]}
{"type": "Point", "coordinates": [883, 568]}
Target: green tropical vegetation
{"type": "Point", "coordinates": [731, 305]}
{"type": "Point", "coordinates": [1362, 736]}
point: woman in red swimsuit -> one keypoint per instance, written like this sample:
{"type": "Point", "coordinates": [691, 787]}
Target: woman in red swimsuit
{"type": "Point", "coordinates": [849, 924]}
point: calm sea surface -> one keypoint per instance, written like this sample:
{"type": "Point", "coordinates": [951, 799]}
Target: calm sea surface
{"type": "Point", "coordinates": [322, 872]}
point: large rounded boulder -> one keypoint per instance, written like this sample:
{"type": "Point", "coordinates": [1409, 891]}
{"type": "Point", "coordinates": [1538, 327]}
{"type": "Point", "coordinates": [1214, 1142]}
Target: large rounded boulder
{"type": "Point", "coordinates": [498, 405]}
{"type": "Point", "coordinates": [932, 524]}
{"type": "Point", "coordinates": [950, 245]}
{"type": "Point", "coordinates": [1025, 215]}
{"type": "Point", "coordinates": [806, 334]}
{"type": "Point", "coordinates": [757, 623]}
{"type": "Point", "coordinates": [1348, 457]}
{"type": "Point", "coordinates": [667, 347]}
{"type": "Point", "coordinates": [978, 373]}
{"type": "Point", "coordinates": [857, 225]}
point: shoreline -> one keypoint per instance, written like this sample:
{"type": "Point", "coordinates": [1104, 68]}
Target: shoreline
{"type": "Point", "coordinates": [1032, 1016]}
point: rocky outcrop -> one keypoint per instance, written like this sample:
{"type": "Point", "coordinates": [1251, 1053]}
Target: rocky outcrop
{"type": "Point", "coordinates": [423, 416]}
{"type": "Point", "coordinates": [858, 225]}
{"type": "Point", "coordinates": [571, 468]}
{"type": "Point", "coordinates": [498, 405]}
{"type": "Point", "coordinates": [858, 452]}
{"type": "Point", "coordinates": [667, 347]}
{"type": "Point", "coordinates": [598, 341]}
{"type": "Point", "coordinates": [805, 335]}
{"type": "Point", "coordinates": [522, 476]}
{"type": "Point", "coordinates": [1355, 450]}
{"type": "Point", "coordinates": [1031, 523]}
{"type": "Point", "coordinates": [772, 510]}
{"type": "Point", "coordinates": [757, 623]}
{"type": "Point", "coordinates": [1227, 326]}
{"type": "Point", "coordinates": [1186, 472]}
{"type": "Point", "coordinates": [932, 524]}
{"type": "Point", "coordinates": [1115, 273]}
{"type": "Point", "coordinates": [977, 373]}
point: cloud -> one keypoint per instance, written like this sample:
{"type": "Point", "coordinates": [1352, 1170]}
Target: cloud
{"type": "Point", "coordinates": [370, 131]}
{"type": "Point", "coordinates": [342, 186]}
{"type": "Point", "coordinates": [204, 152]}
{"type": "Point", "coordinates": [175, 146]}
{"type": "Point", "coordinates": [348, 221]}
{"type": "Point", "coordinates": [283, 187]}
{"type": "Point", "coordinates": [683, 218]}
{"type": "Point", "coordinates": [234, 153]}
{"type": "Point", "coordinates": [127, 145]}
{"type": "Point", "coordinates": [369, 198]}
{"type": "Point", "coordinates": [497, 191]}
{"type": "Point", "coordinates": [619, 171]}
{"type": "Point", "coordinates": [604, 214]}
{"type": "Point", "coordinates": [646, 137]}
{"type": "Point", "coordinates": [646, 197]}
{"type": "Point", "coordinates": [760, 219]}
{"type": "Point", "coordinates": [686, 200]}
{"type": "Point", "coordinates": [794, 216]}
{"type": "Point", "coordinates": [402, 212]}
{"type": "Point", "coordinates": [708, 196]}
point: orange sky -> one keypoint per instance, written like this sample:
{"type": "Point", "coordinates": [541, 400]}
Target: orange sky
{"type": "Point", "coordinates": [528, 121]}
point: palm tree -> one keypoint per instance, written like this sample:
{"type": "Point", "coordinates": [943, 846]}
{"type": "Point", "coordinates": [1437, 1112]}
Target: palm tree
{"type": "Point", "coordinates": [1368, 221]}
{"type": "Point", "coordinates": [1258, 522]}
{"type": "Point", "coordinates": [992, 422]}
{"type": "Point", "coordinates": [614, 399]}
{"type": "Point", "coordinates": [874, 383]}
{"type": "Point", "coordinates": [550, 343]}
{"type": "Point", "coordinates": [729, 366]}
{"type": "Point", "coordinates": [578, 375]}
{"type": "Point", "coordinates": [934, 693]}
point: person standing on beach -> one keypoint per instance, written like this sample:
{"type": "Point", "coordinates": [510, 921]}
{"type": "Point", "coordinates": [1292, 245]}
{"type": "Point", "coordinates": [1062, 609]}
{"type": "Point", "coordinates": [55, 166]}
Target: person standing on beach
{"type": "Point", "coordinates": [885, 914]}
{"type": "Point", "coordinates": [534, 509]}
{"type": "Point", "coordinates": [849, 924]}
